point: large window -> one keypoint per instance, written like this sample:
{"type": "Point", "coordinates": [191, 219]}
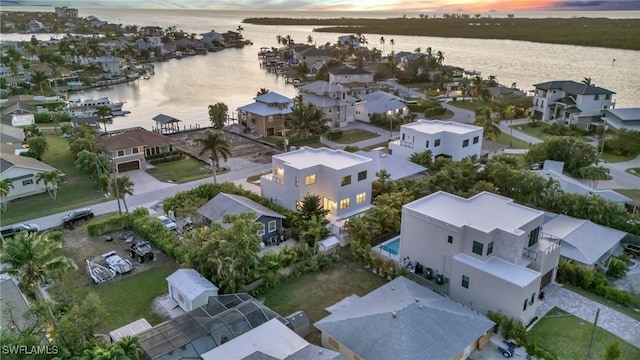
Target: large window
{"type": "Point", "coordinates": [362, 197]}
{"type": "Point", "coordinates": [476, 139]}
{"type": "Point", "coordinates": [272, 226]}
{"type": "Point", "coordinates": [465, 281]}
{"type": "Point", "coordinates": [120, 152]}
{"type": "Point", "coordinates": [27, 182]}
{"type": "Point", "coordinates": [345, 203]}
{"type": "Point", "coordinates": [260, 231]}
{"type": "Point", "coordinates": [477, 248]}
{"type": "Point", "coordinates": [362, 175]}
{"type": "Point", "coordinates": [346, 180]}
{"type": "Point", "coordinates": [490, 248]}
{"type": "Point", "coordinates": [465, 143]}
{"type": "Point", "coordinates": [533, 236]}
{"type": "Point", "coordinates": [311, 179]}
{"type": "Point", "coordinates": [436, 143]}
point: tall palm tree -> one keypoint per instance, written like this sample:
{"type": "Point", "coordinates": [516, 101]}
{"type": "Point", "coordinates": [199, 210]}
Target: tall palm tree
{"type": "Point", "coordinates": [593, 174]}
{"type": "Point", "coordinates": [307, 119]}
{"type": "Point", "coordinates": [489, 124]}
{"type": "Point", "coordinates": [217, 147]}
{"type": "Point", "coordinates": [314, 231]}
{"type": "Point", "coordinates": [103, 111]}
{"type": "Point", "coordinates": [279, 39]}
{"type": "Point", "coordinates": [130, 346]}
{"type": "Point", "coordinates": [309, 39]}
{"type": "Point", "coordinates": [587, 81]}
{"type": "Point", "coordinates": [39, 79]}
{"type": "Point", "coordinates": [51, 180]}
{"type": "Point", "coordinates": [392, 43]}
{"type": "Point", "coordinates": [439, 57]}
{"type": "Point", "coordinates": [33, 258]}
{"type": "Point", "coordinates": [262, 91]}
{"type": "Point", "coordinates": [123, 186]}
{"type": "Point", "coordinates": [5, 186]}
{"type": "Point", "coordinates": [218, 114]}
{"type": "Point", "coordinates": [382, 41]}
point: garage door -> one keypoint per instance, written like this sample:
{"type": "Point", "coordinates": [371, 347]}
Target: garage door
{"type": "Point", "coordinates": [131, 165]}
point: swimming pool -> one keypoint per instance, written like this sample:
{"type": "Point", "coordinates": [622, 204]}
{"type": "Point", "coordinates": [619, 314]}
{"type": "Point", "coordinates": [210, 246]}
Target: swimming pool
{"type": "Point", "coordinates": [392, 246]}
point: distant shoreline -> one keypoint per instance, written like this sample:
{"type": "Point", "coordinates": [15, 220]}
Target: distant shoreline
{"type": "Point", "coordinates": [596, 32]}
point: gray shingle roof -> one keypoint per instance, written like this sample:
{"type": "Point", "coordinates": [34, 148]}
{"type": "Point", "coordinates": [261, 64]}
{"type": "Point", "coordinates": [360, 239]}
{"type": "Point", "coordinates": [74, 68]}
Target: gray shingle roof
{"type": "Point", "coordinates": [573, 87]}
{"type": "Point", "coordinates": [228, 204]}
{"type": "Point", "coordinates": [272, 98]}
{"type": "Point", "coordinates": [345, 70]}
{"type": "Point", "coordinates": [425, 326]}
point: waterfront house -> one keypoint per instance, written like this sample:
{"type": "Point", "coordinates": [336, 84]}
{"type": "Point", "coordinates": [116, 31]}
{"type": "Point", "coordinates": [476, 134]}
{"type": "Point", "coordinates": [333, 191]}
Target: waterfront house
{"type": "Point", "coordinates": [552, 169]}
{"type": "Point", "coordinates": [227, 204]}
{"type": "Point", "coordinates": [444, 138]}
{"type": "Point", "coordinates": [341, 179]}
{"type": "Point", "coordinates": [95, 22]}
{"type": "Point", "coordinates": [486, 252]}
{"type": "Point", "coordinates": [402, 320]}
{"type": "Point", "coordinates": [311, 55]}
{"type": "Point", "coordinates": [571, 103]}
{"type": "Point", "coordinates": [130, 149]}
{"type": "Point", "coordinates": [358, 81]}
{"type": "Point", "coordinates": [338, 106]}
{"type": "Point", "coordinates": [111, 64]}
{"type": "Point", "coordinates": [189, 289]}
{"type": "Point", "coordinates": [149, 43]}
{"type": "Point", "coordinates": [583, 241]}
{"type": "Point", "coordinates": [212, 39]}
{"type": "Point", "coordinates": [501, 93]}
{"type": "Point", "coordinates": [267, 115]}
{"type": "Point", "coordinates": [380, 102]}
{"type": "Point", "coordinates": [23, 171]}
{"type": "Point", "coordinates": [627, 119]}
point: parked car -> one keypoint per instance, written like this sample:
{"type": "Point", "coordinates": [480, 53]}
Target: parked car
{"type": "Point", "coordinates": [170, 224]}
{"type": "Point", "coordinates": [12, 230]}
{"type": "Point", "coordinates": [77, 215]}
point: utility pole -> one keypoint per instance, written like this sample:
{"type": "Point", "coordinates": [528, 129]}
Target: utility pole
{"type": "Point", "coordinates": [593, 332]}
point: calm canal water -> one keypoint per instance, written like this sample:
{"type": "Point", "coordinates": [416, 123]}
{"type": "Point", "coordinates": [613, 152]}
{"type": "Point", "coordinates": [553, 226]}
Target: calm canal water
{"type": "Point", "coordinates": [184, 88]}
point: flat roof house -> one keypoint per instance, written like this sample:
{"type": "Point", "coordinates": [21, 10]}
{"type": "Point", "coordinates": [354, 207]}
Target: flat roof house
{"type": "Point", "coordinates": [444, 138]}
{"type": "Point", "coordinates": [483, 246]}
{"type": "Point", "coordinates": [403, 320]}
{"type": "Point", "coordinates": [341, 179]}
{"type": "Point", "coordinates": [571, 103]}
{"type": "Point", "coordinates": [267, 115]}
{"type": "Point", "coordinates": [190, 289]}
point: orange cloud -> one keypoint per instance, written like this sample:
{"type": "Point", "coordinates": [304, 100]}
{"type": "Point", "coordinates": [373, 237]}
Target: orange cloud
{"type": "Point", "coordinates": [477, 5]}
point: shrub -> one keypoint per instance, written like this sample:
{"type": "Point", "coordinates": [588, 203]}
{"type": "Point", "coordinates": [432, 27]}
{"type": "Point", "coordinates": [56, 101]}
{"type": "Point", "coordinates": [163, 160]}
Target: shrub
{"type": "Point", "coordinates": [334, 134]}
{"type": "Point", "coordinates": [617, 268]}
{"type": "Point", "coordinates": [112, 223]}
{"type": "Point", "coordinates": [351, 148]}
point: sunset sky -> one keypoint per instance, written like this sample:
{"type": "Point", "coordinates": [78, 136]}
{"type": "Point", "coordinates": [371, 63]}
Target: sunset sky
{"type": "Point", "coordinates": [350, 5]}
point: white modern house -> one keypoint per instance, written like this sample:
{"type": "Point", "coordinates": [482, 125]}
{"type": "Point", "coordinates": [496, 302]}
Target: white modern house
{"type": "Point", "coordinates": [339, 108]}
{"type": "Point", "coordinates": [341, 179]}
{"type": "Point", "coordinates": [444, 138]}
{"type": "Point", "coordinates": [190, 289]}
{"type": "Point", "coordinates": [488, 251]}
{"type": "Point", "coordinates": [628, 119]}
{"type": "Point", "coordinates": [570, 102]}
{"type": "Point", "coordinates": [380, 102]}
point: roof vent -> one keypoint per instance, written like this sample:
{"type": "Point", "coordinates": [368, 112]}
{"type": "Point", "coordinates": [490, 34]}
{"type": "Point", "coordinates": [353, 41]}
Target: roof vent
{"type": "Point", "coordinates": [320, 351]}
{"type": "Point", "coordinates": [417, 300]}
{"type": "Point", "coordinates": [393, 288]}
{"type": "Point", "coordinates": [420, 306]}
{"type": "Point", "coordinates": [394, 314]}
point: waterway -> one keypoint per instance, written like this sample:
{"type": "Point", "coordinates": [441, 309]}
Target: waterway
{"type": "Point", "coordinates": [184, 88]}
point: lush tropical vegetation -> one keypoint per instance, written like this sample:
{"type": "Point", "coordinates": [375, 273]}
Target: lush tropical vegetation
{"type": "Point", "coordinates": [216, 147]}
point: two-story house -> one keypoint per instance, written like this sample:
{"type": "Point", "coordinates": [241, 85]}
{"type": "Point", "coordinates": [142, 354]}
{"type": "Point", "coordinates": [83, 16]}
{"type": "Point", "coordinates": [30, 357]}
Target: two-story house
{"type": "Point", "coordinates": [66, 12]}
{"type": "Point", "coordinates": [490, 251]}
{"type": "Point", "coordinates": [571, 103]}
{"type": "Point", "coordinates": [380, 102]}
{"type": "Point", "coordinates": [444, 138]}
{"type": "Point", "coordinates": [267, 115]}
{"type": "Point", "coordinates": [212, 39]}
{"type": "Point", "coordinates": [341, 179]}
{"type": "Point", "coordinates": [130, 149]}
{"type": "Point", "coordinates": [311, 55]}
{"type": "Point", "coordinates": [339, 108]}
{"type": "Point", "coordinates": [149, 43]}
{"type": "Point", "coordinates": [358, 81]}
{"type": "Point", "coordinates": [35, 26]}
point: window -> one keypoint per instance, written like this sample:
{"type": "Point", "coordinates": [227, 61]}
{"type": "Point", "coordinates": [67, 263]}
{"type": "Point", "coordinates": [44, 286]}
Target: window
{"type": "Point", "coordinates": [476, 139]}
{"type": "Point", "coordinates": [524, 307]}
{"type": "Point", "coordinates": [596, 97]}
{"type": "Point", "coordinates": [297, 181]}
{"type": "Point", "coordinates": [450, 239]}
{"type": "Point", "coordinates": [465, 143]}
{"type": "Point", "coordinates": [260, 231]}
{"type": "Point", "coordinates": [278, 170]}
{"type": "Point", "coordinates": [490, 248]}
{"type": "Point", "coordinates": [402, 137]}
{"type": "Point", "coordinates": [346, 180]}
{"type": "Point", "coordinates": [27, 182]}
{"type": "Point", "coordinates": [272, 226]}
{"type": "Point", "coordinates": [362, 175]}
{"type": "Point", "coordinates": [270, 118]}
{"type": "Point", "coordinates": [426, 144]}
{"type": "Point", "coordinates": [607, 97]}
{"type": "Point", "coordinates": [120, 152]}
{"type": "Point", "coordinates": [533, 298]}
{"type": "Point", "coordinates": [477, 248]}
{"type": "Point", "coordinates": [533, 236]}
{"type": "Point", "coordinates": [465, 281]}
{"type": "Point", "coordinates": [360, 198]}
{"type": "Point", "coordinates": [311, 179]}
{"type": "Point", "coordinates": [345, 203]}
{"type": "Point", "coordinates": [135, 150]}
{"type": "Point", "coordinates": [436, 143]}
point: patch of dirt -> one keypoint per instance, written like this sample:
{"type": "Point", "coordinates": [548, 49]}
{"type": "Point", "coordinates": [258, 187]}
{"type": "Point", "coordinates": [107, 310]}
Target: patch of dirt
{"type": "Point", "coordinates": [240, 146]}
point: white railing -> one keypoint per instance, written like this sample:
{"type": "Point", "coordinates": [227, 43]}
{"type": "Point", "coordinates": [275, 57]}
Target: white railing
{"type": "Point", "coordinates": [274, 179]}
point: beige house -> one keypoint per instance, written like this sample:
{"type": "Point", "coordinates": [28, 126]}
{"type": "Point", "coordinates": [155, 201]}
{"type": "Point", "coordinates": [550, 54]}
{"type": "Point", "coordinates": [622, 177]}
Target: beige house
{"type": "Point", "coordinates": [267, 115]}
{"type": "Point", "coordinates": [488, 252]}
{"type": "Point", "coordinates": [22, 172]}
{"type": "Point", "coordinates": [131, 148]}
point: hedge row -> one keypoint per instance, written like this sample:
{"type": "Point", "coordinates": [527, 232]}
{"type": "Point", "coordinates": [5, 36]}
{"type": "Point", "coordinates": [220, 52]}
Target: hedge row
{"type": "Point", "coordinates": [334, 134]}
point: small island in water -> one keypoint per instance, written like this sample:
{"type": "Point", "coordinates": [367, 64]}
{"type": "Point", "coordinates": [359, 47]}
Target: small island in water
{"type": "Point", "coordinates": [598, 32]}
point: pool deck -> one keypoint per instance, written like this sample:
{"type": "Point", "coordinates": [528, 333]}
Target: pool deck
{"type": "Point", "coordinates": [384, 252]}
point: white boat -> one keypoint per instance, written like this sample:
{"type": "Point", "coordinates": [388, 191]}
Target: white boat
{"type": "Point", "coordinates": [99, 273]}
{"type": "Point", "coordinates": [94, 103]}
{"type": "Point", "coordinates": [117, 263]}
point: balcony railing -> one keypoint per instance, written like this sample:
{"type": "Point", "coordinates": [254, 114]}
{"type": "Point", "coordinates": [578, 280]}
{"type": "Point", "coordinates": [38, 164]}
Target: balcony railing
{"type": "Point", "coordinates": [274, 179]}
{"type": "Point", "coordinates": [530, 254]}
{"type": "Point", "coordinates": [403, 143]}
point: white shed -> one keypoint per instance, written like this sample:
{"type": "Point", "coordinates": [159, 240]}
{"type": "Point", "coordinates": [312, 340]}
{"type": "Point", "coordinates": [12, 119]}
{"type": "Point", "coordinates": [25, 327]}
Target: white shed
{"type": "Point", "coordinates": [329, 244]}
{"type": "Point", "coordinates": [190, 289]}
{"type": "Point", "coordinates": [131, 329]}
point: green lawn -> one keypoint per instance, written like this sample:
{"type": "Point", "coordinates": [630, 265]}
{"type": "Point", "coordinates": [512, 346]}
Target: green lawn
{"type": "Point", "coordinates": [354, 135]}
{"type": "Point", "coordinates": [613, 158]}
{"type": "Point", "coordinates": [470, 105]}
{"type": "Point", "coordinates": [634, 194]}
{"type": "Point", "coordinates": [316, 291]}
{"type": "Point", "coordinates": [535, 131]}
{"type": "Point", "coordinates": [508, 140]}
{"type": "Point", "coordinates": [180, 171]}
{"type": "Point", "coordinates": [77, 191]}
{"type": "Point", "coordinates": [446, 116]}
{"type": "Point", "coordinates": [568, 336]}
{"type": "Point", "coordinates": [634, 171]}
